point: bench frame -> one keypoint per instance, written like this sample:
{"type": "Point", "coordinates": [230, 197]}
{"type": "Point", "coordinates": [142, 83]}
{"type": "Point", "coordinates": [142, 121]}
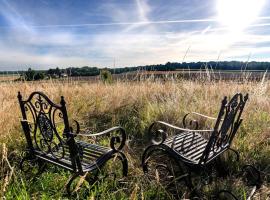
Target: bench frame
{"type": "Point", "coordinates": [220, 140]}
{"type": "Point", "coordinates": [45, 143]}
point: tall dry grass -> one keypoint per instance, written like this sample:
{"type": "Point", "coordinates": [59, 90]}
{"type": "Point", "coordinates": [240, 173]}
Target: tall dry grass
{"type": "Point", "coordinates": [135, 105]}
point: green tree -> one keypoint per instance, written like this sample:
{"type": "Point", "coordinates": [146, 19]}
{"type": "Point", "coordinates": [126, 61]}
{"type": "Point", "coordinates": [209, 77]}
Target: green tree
{"type": "Point", "coordinates": [32, 75]}
{"type": "Point", "coordinates": [39, 76]}
{"type": "Point", "coordinates": [29, 75]}
{"type": "Point", "coordinates": [106, 76]}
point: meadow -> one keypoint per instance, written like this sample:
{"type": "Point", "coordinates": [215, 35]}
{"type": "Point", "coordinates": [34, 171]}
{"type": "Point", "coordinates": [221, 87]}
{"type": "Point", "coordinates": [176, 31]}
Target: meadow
{"type": "Point", "coordinates": [7, 77]}
{"type": "Point", "coordinates": [134, 105]}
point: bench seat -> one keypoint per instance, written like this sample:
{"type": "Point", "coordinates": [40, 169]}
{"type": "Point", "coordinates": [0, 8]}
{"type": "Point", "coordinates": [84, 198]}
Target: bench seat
{"type": "Point", "coordinates": [191, 146]}
{"type": "Point", "coordinates": [91, 156]}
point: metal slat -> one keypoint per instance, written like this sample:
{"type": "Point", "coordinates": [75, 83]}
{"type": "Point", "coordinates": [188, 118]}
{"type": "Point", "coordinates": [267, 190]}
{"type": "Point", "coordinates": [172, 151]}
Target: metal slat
{"type": "Point", "coordinates": [210, 154]}
{"type": "Point", "coordinates": [199, 147]}
{"type": "Point", "coordinates": [89, 155]}
{"type": "Point", "coordinates": [196, 151]}
{"type": "Point", "coordinates": [179, 136]}
{"type": "Point", "coordinates": [91, 150]}
{"type": "Point", "coordinates": [199, 153]}
{"type": "Point", "coordinates": [92, 146]}
{"type": "Point", "coordinates": [183, 140]}
{"type": "Point", "coordinates": [187, 143]}
{"type": "Point", "coordinates": [190, 145]}
{"type": "Point", "coordinates": [87, 159]}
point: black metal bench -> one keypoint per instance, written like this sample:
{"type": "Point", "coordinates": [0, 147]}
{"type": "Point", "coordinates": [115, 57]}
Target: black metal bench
{"type": "Point", "coordinates": [50, 139]}
{"type": "Point", "coordinates": [193, 150]}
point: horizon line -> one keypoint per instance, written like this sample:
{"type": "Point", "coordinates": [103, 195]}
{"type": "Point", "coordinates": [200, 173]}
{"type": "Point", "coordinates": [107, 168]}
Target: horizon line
{"type": "Point", "coordinates": [128, 23]}
{"type": "Point", "coordinates": [138, 66]}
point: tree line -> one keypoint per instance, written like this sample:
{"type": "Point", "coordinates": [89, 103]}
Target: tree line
{"type": "Point", "coordinates": [31, 74]}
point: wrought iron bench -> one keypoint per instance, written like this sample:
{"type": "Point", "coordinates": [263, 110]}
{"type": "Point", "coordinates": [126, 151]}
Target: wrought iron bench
{"type": "Point", "coordinates": [50, 139]}
{"type": "Point", "coordinates": [195, 150]}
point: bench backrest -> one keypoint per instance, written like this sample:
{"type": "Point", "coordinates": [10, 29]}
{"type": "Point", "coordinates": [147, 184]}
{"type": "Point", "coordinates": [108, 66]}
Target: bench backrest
{"type": "Point", "coordinates": [226, 126]}
{"type": "Point", "coordinates": [46, 126]}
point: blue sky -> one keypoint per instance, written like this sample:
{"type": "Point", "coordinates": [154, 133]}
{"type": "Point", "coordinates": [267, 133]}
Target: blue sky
{"type": "Point", "coordinates": [42, 33]}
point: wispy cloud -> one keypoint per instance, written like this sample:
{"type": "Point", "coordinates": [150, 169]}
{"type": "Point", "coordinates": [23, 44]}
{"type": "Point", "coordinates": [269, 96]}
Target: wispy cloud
{"type": "Point", "coordinates": [13, 18]}
{"type": "Point", "coordinates": [129, 32]}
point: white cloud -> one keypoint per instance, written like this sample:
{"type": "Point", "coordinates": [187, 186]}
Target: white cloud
{"type": "Point", "coordinates": [130, 44]}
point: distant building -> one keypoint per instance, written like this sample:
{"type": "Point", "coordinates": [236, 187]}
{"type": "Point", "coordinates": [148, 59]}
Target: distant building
{"type": "Point", "coordinates": [64, 75]}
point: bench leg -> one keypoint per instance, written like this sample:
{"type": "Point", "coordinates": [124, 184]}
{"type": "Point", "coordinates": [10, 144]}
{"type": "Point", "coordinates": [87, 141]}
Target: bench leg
{"type": "Point", "coordinates": [70, 180]}
{"type": "Point", "coordinates": [117, 155]}
{"type": "Point", "coordinates": [146, 155]}
{"type": "Point", "coordinates": [32, 165]}
{"type": "Point", "coordinates": [236, 153]}
{"type": "Point", "coordinates": [222, 164]}
{"type": "Point", "coordinates": [42, 167]}
{"type": "Point", "coordinates": [124, 161]}
{"type": "Point", "coordinates": [92, 177]}
{"type": "Point", "coordinates": [160, 165]}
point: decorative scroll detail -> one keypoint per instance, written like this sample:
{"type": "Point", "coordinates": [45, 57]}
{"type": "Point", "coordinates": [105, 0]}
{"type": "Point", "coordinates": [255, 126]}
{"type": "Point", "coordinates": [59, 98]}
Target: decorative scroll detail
{"type": "Point", "coordinates": [231, 113]}
{"type": "Point", "coordinates": [162, 167]}
{"type": "Point", "coordinates": [121, 140]}
{"type": "Point", "coordinates": [158, 135]}
{"type": "Point", "coordinates": [191, 124]}
{"type": "Point", "coordinates": [77, 128]}
{"type": "Point", "coordinates": [45, 121]}
{"type": "Point", "coordinates": [45, 127]}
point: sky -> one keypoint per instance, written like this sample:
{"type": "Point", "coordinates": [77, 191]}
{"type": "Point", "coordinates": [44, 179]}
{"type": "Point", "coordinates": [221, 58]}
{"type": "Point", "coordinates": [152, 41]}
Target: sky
{"type": "Point", "coordinates": [43, 34]}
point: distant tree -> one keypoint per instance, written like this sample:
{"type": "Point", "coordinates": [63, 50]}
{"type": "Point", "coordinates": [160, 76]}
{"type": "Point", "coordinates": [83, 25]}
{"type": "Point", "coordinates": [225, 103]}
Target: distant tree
{"type": "Point", "coordinates": [106, 76]}
{"type": "Point", "coordinates": [169, 66]}
{"type": "Point", "coordinates": [29, 75]}
{"type": "Point", "coordinates": [32, 75]}
{"type": "Point", "coordinates": [51, 72]}
{"type": "Point", "coordinates": [58, 72]}
{"type": "Point", "coordinates": [39, 76]}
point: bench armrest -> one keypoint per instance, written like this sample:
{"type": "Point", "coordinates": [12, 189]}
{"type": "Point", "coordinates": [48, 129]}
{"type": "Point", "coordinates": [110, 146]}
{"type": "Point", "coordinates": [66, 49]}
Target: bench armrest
{"type": "Point", "coordinates": [163, 135]}
{"type": "Point", "coordinates": [121, 139]}
{"type": "Point", "coordinates": [194, 121]}
{"type": "Point", "coordinates": [183, 129]}
{"type": "Point", "coordinates": [202, 115]}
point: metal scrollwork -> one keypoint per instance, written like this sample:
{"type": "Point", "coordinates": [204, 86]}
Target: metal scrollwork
{"type": "Point", "coordinates": [158, 135]}
{"type": "Point", "coordinates": [194, 124]}
{"type": "Point", "coordinates": [43, 117]}
{"type": "Point", "coordinates": [231, 112]}
{"type": "Point", "coordinates": [118, 142]}
{"type": "Point", "coordinates": [75, 133]}
{"type": "Point", "coordinates": [45, 127]}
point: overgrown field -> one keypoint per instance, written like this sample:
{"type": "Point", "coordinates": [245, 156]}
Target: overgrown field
{"type": "Point", "coordinates": [133, 105]}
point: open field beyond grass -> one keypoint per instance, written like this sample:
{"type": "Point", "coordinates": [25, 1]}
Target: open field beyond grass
{"type": "Point", "coordinates": [5, 78]}
{"type": "Point", "coordinates": [133, 105]}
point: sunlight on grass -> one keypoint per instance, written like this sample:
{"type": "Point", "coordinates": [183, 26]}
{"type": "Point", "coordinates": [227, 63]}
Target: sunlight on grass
{"type": "Point", "coordinates": [134, 105]}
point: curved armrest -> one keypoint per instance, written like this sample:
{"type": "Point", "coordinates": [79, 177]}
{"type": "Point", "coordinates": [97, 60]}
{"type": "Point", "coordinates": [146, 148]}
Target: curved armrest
{"type": "Point", "coordinates": [194, 121]}
{"type": "Point", "coordinates": [183, 129]}
{"type": "Point", "coordinates": [163, 135]}
{"type": "Point", "coordinates": [202, 115]}
{"type": "Point", "coordinates": [102, 132]}
{"type": "Point", "coordinates": [114, 140]}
